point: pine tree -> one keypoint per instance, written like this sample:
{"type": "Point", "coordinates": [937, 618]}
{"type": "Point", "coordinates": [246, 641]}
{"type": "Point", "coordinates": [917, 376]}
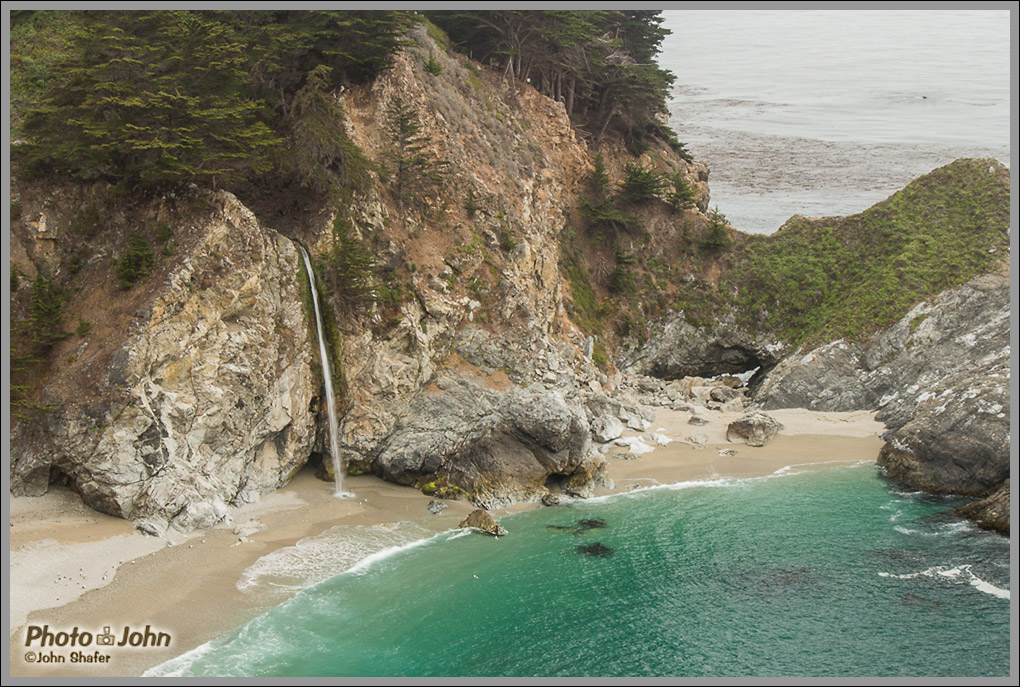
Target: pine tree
{"type": "Point", "coordinates": [415, 167]}
{"type": "Point", "coordinates": [680, 196]}
{"type": "Point", "coordinates": [320, 155]}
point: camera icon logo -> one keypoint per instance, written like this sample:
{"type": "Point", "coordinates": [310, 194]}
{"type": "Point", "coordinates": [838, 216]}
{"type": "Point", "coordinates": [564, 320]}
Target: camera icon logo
{"type": "Point", "coordinates": [105, 639]}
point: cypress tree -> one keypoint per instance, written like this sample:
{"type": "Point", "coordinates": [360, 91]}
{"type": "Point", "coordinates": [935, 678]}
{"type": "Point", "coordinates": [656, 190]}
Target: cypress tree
{"type": "Point", "coordinates": [153, 98]}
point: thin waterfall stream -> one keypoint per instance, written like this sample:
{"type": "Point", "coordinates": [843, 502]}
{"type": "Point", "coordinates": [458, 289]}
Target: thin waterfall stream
{"type": "Point", "coordinates": [327, 378]}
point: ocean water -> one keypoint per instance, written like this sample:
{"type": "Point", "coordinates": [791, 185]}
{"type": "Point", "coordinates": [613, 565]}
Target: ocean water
{"type": "Point", "coordinates": [826, 112]}
{"type": "Point", "coordinates": [827, 572]}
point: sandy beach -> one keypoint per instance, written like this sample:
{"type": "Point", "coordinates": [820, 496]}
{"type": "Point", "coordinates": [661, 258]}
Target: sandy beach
{"type": "Point", "coordinates": [73, 567]}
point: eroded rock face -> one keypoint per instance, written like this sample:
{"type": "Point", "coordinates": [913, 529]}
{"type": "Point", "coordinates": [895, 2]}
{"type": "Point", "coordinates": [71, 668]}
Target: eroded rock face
{"type": "Point", "coordinates": [460, 439]}
{"type": "Point", "coordinates": [677, 349]}
{"type": "Point", "coordinates": [205, 403]}
{"type": "Point", "coordinates": [940, 379]}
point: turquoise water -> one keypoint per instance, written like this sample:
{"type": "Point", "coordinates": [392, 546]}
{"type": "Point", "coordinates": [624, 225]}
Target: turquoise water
{"type": "Point", "coordinates": [830, 572]}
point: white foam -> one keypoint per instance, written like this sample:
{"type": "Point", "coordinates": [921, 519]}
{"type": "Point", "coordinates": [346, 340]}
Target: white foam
{"type": "Point", "coordinates": [315, 559]}
{"type": "Point", "coordinates": [177, 666]}
{"type": "Point", "coordinates": [959, 573]}
{"type": "Point", "coordinates": [362, 566]}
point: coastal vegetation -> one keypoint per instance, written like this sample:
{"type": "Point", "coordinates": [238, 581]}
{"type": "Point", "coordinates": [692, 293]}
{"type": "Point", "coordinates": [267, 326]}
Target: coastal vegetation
{"type": "Point", "coordinates": [845, 277]}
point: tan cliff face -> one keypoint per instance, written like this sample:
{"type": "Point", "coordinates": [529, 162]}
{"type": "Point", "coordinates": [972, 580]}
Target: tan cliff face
{"type": "Point", "coordinates": [197, 397]}
{"type": "Point", "coordinates": [197, 387]}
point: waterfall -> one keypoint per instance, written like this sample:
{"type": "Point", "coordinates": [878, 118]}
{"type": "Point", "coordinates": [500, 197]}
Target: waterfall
{"type": "Point", "coordinates": [327, 378]}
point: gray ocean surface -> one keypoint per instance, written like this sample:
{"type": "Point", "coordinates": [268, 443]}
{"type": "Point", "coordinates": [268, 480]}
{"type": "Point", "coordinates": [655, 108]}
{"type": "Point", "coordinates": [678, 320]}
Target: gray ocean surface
{"type": "Point", "coordinates": [826, 112]}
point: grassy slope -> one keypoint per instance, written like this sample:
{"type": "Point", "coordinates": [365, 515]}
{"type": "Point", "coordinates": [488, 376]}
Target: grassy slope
{"type": "Point", "coordinates": [816, 280]}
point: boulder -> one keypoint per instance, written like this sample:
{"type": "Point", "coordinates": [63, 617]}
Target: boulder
{"type": "Point", "coordinates": [482, 521]}
{"type": "Point", "coordinates": [992, 512]}
{"type": "Point", "coordinates": [724, 394]}
{"type": "Point", "coordinates": [753, 429]}
{"type": "Point", "coordinates": [436, 507]}
{"type": "Point", "coordinates": [606, 428]}
{"type": "Point", "coordinates": [460, 439]}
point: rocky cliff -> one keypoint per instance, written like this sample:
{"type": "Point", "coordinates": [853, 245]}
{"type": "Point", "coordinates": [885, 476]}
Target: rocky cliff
{"type": "Point", "coordinates": [468, 375]}
{"type": "Point", "coordinates": [195, 387]}
{"type": "Point", "coordinates": [939, 379]}
{"type": "Point", "coordinates": [190, 393]}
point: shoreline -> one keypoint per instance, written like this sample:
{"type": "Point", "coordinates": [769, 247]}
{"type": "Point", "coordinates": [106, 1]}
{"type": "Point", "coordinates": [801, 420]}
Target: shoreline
{"type": "Point", "coordinates": [188, 587]}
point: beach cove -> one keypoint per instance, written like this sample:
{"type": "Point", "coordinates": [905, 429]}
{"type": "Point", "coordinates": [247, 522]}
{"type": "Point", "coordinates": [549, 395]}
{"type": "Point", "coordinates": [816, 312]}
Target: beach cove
{"type": "Point", "coordinates": [187, 586]}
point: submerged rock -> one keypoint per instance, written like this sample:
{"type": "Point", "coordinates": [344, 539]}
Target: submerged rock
{"type": "Point", "coordinates": [481, 520]}
{"type": "Point", "coordinates": [596, 550]}
{"type": "Point", "coordinates": [753, 429]}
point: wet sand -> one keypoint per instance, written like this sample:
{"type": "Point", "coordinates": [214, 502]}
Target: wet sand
{"type": "Point", "coordinates": [72, 567]}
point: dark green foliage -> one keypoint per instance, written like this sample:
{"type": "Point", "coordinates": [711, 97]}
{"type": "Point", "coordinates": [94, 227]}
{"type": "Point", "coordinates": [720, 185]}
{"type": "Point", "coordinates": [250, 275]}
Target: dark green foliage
{"type": "Point", "coordinates": [351, 273]}
{"type": "Point", "coordinates": [136, 262]}
{"type": "Point", "coordinates": [416, 169]}
{"type": "Point", "coordinates": [163, 232]}
{"type": "Point", "coordinates": [680, 195]}
{"type": "Point", "coordinates": [39, 41]}
{"type": "Point", "coordinates": [285, 45]}
{"type": "Point", "coordinates": [15, 210]}
{"type": "Point", "coordinates": [170, 97]}
{"type": "Point", "coordinates": [319, 155]}
{"type": "Point", "coordinates": [598, 179]}
{"type": "Point", "coordinates": [432, 66]}
{"type": "Point", "coordinates": [817, 280]}
{"type": "Point", "coordinates": [717, 234]}
{"type": "Point", "coordinates": [599, 208]}
{"type": "Point", "coordinates": [506, 240]}
{"type": "Point", "coordinates": [46, 312]}
{"type": "Point", "coordinates": [156, 98]}
{"type": "Point", "coordinates": [641, 185]}
{"type": "Point", "coordinates": [622, 278]}
{"type": "Point", "coordinates": [599, 63]}
{"type": "Point", "coordinates": [84, 326]}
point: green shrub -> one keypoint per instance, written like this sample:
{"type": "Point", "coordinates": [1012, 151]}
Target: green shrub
{"type": "Point", "coordinates": [641, 185]}
{"type": "Point", "coordinates": [136, 262]}
{"type": "Point", "coordinates": [506, 240]}
{"type": "Point", "coordinates": [717, 236]}
{"type": "Point", "coordinates": [680, 195]}
{"type": "Point", "coordinates": [432, 66]}
{"type": "Point", "coordinates": [352, 267]}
